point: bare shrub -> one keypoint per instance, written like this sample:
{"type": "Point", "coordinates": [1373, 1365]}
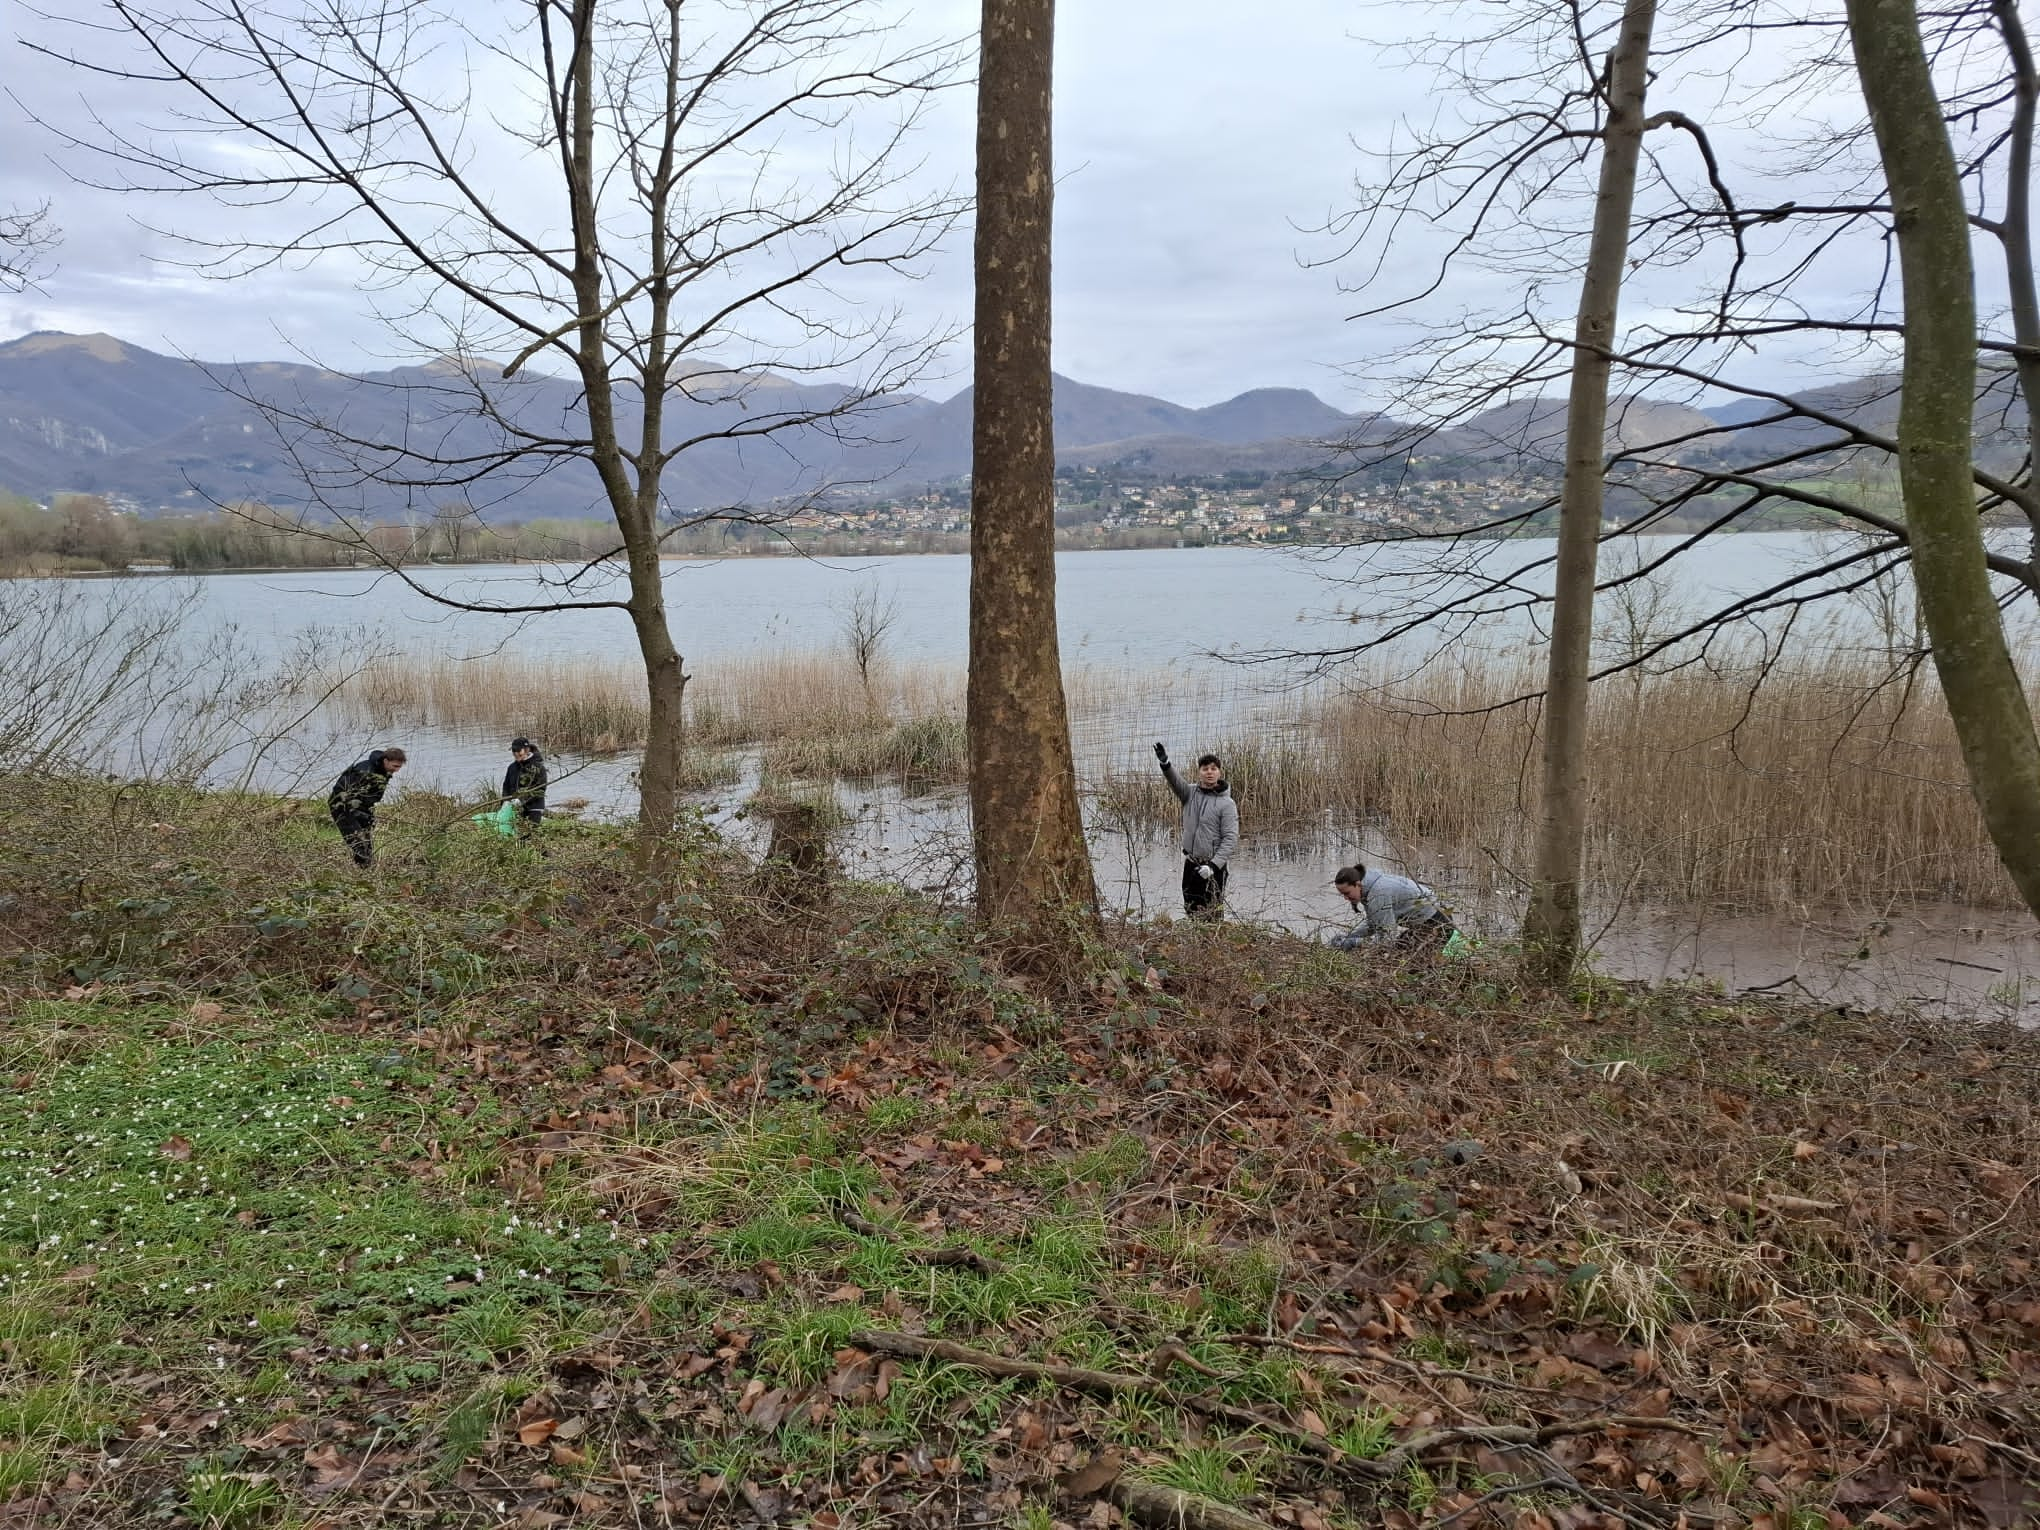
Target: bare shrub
{"type": "Point", "coordinates": [867, 621]}
{"type": "Point", "coordinates": [127, 678]}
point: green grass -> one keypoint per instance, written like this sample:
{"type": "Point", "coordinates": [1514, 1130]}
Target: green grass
{"type": "Point", "coordinates": [1211, 1471]}
{"type": "Point", "coordinates": [218, 1499]}
{"type": "Point", "coordinates": [1365, 1435]}
{"type": "Point", "coordinates": [249, 1195]}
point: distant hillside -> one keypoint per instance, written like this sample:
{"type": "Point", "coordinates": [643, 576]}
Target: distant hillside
{"type": "Point", "coordinates": [95, 414]}
{"type": "Point", "coordinates": [1533, 430]}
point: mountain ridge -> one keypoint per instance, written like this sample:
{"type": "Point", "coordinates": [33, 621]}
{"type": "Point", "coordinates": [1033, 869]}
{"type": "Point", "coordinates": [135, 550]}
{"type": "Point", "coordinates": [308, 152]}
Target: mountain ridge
{"type": "Point", "coordinates": [98, 414]}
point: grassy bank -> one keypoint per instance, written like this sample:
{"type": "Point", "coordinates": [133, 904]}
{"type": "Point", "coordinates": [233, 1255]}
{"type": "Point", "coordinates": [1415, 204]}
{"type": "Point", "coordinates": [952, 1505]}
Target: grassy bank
{"type": "Point", "coordinates": [474, 1192]}
{"type": "Point", "coordinates": [1824, 787]}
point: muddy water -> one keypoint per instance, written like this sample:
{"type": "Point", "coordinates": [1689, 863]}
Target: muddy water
{"type": "Point", "coordinates": [1936, 958]}
{"type": "Point", "coordinates": [1132, 618]}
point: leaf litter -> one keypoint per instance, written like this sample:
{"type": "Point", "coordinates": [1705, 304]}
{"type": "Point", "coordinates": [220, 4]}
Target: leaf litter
{"type": "Point", "coordinates": [1356, 1245]}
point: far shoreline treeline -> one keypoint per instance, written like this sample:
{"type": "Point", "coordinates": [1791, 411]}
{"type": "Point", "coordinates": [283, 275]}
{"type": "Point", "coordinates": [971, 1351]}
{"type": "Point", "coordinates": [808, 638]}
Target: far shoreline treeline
{"type": "Point", "coordinates": [86, 534]}
{"type": "Point", "coordinates": [82, 535]}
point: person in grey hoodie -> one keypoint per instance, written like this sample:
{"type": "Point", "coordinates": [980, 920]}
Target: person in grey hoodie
{"type": "Point", "coordinates": [1400, 912]}
{"type": "Point", "coordinates": [1211, 832]}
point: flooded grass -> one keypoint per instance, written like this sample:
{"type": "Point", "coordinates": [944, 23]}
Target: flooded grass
{"type": "Point", "coordinates": [1826, 785]}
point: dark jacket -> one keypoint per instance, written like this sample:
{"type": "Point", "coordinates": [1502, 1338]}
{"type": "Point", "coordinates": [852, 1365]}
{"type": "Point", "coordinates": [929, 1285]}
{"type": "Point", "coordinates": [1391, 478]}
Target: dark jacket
{"type": "Point", "coordinates": [524, 784]}
{"type": "Point", "coordinates": [359, 789]}
{"type": "Point", "coordinates": [1211, 819]}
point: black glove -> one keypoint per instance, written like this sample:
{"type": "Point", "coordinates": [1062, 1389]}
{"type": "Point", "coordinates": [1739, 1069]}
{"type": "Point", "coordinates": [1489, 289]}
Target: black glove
{"type": "Point", "coordinates": [1161, 754]}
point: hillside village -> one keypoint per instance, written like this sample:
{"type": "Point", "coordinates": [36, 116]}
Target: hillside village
{"type": "Point", "coordinates": [1117, 508]}
{"type": "Point", "coordinates": [1214, 511]}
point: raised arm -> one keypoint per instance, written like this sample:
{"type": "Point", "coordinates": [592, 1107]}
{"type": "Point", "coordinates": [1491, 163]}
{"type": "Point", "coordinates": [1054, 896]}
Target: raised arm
{"type": "Point", "coordinates": [1176, 783]}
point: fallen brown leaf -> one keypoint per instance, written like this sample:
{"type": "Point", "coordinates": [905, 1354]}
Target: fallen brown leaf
{"type": "Point", "coordinates": [537, 1432]}
{"type": "Point", "coordinates": [1089, 1481]}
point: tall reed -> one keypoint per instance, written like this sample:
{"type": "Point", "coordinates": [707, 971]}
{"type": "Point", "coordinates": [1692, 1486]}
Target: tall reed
{"type": "Point", "coordinates": [814, 712]}
{"type": "Point", "coordinates": [1823, 786]}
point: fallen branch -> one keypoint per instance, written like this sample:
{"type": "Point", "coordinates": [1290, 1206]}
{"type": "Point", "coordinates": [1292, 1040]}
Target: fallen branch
{"type": "Point", "coordinates": [1168, 1508]}
{"type": "Point", "coordinates": [1492, 1495]}
{"type": "Point", "coordinates": [1416, 1368]}
{"type": "Point", "coordinates": [1176, 1354]}
{"type": "Point", "coordinates": [1102, 1383]}
{"type": "Point", "coordinates": [1111, 1383]}
{"type": "Point", "coordinates": [956, 1254]}
{"type": "Point", "coordinates": [1515, 1436]}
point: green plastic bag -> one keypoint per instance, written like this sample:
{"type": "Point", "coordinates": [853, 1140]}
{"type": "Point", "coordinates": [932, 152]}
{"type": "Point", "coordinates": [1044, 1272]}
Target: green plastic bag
{"type": "Point", "coordinates": [1458, 946]}
{"type": "Point", "coordinates": [503, 820]}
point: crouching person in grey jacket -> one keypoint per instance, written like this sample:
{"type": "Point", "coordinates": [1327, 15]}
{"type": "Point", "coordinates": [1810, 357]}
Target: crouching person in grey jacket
{"type": "Point", "coordinates": [1401, 914]}
{"type": "Point", "coordinates": [1211, 832]}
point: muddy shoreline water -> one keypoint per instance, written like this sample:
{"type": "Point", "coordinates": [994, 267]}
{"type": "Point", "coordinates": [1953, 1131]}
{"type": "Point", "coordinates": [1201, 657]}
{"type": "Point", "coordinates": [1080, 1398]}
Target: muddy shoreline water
{"type": "Point", "coordinates": [1776, 869]}
{"type": "Point", "coordinates": [1931, 958]}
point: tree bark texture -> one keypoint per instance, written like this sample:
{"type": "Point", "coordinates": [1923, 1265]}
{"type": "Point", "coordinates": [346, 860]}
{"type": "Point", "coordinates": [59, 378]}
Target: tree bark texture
{"type": "Point", "coordinates": [1026, 825]}
{"type": "Point", "coordinates": [1985, 697]}
{"type": "Point", "coordinates": [2016, 235]}
{"type": "Point", "coordinates": [633, 500]}
{"type": "Point", "coordinates": [1551, 926]}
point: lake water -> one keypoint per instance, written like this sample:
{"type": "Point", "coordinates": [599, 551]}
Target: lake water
{"type": "Point", "coordinates": [1148, 609]}
{"type": "Point", "coordinates": [1189, 614]}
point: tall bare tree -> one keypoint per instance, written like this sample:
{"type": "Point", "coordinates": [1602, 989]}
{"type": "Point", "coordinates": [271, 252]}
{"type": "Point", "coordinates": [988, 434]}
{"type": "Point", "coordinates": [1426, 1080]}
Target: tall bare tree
{"type": "Point", "coordinates": [1986, 699]}
{"type": "Point", "coordinates": [1551, 926]}
{"type": "Point", "coordinates": [679, 207]}
{"type": "Point", "coordinates": [1033, 868]}
{"type": "Point", "coordinates": [1752, 241]}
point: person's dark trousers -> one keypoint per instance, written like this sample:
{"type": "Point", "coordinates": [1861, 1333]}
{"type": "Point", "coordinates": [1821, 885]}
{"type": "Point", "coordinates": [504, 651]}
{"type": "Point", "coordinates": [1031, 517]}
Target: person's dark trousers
{"type": "Point", "coordinates": [528, 822]}
{"type": "Point", "coordinates": [1203, 899]}
{"type": "Point", "coordinates": [360, 836]}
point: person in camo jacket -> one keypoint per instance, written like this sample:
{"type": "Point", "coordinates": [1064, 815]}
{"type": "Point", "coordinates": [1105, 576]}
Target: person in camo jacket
{"type": "Point", "coordinates": [1211, 832]}
{"type": "Point", "coordinates": [354, 796]}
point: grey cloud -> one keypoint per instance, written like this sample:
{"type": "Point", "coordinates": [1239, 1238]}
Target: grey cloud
{"type": "Point", "coordinates": [1198, 142]}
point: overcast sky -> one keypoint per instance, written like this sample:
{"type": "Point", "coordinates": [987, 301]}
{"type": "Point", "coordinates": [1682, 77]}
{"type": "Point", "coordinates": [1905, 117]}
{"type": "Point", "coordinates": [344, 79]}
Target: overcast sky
{"type": "Point", "coordinates": [1198, 143]}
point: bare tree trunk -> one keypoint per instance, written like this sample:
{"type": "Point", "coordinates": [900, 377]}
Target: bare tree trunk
{"type": "Point", "coordinates": [1033, 867]}
{"type": "Point", "coordinates": [2016, 234]}
{"type": "Point", "coordinates": [634, 504]}
{"type": "Point", "coordinates": [665, 688]}
{"type": "Point", "coordinates": [1935, 434]}
{"type": "Point", "coordinates": [1551, 926]}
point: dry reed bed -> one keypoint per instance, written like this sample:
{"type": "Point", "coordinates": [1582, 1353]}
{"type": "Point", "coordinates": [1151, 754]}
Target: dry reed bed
{"type": "Point", "coordinates": [814, 714]}
{"type": "Point", "coordinates": [598, 707]}
{"type": "Point", "coordinates": [1822, 786]}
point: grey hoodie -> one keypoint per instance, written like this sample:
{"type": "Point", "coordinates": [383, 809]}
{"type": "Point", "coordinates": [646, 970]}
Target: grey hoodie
{"type": "Point", "coordinates": [1211, 819]}
{"type": "Point", "coordinates": [1392, 904]}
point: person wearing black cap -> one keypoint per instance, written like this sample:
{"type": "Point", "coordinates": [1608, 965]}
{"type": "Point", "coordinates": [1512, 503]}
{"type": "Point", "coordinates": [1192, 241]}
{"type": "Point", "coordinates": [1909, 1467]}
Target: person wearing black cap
{"type": "Point", "coordinates": [524, 783]}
